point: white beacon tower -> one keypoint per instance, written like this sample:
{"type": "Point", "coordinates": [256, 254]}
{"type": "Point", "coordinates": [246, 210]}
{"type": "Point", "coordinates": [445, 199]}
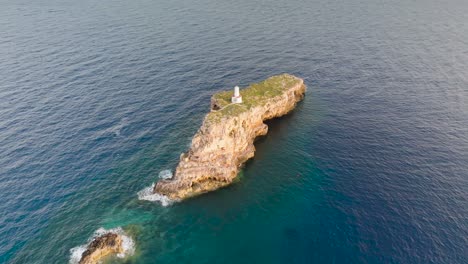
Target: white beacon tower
{"type": "Point", "coordinates": [237, 98]}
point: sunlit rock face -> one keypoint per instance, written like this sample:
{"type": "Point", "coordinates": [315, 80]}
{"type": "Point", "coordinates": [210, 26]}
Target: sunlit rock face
{"type": "Point", "coordinates": [225, 139]}
{"type": "Point", "coordinates": [102, 246]}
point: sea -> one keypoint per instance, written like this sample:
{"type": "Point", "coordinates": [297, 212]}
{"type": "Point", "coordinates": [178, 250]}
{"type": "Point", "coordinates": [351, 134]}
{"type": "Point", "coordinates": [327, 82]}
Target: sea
{"type": "Point", "coordinates": [98, 99]}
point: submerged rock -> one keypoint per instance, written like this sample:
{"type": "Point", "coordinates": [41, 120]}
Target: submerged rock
{"type": "Point", "coordinates": [225, 139]}
{"type": "Point", "coordinates": [102, 246]}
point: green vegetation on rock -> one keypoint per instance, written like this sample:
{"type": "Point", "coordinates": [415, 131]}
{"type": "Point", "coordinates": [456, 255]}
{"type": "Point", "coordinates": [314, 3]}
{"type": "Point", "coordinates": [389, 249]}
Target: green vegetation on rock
{"type": "Point", "coordinates": [255, 95]}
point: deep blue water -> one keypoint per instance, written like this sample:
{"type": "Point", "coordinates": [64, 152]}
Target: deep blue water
{"type": "Point", "coordinates": [98, 97]}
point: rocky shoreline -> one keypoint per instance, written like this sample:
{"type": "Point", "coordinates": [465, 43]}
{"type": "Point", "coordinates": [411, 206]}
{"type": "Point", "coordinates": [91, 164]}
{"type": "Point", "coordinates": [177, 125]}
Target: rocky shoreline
{"type": "Point", "coordinates": [224, 142]}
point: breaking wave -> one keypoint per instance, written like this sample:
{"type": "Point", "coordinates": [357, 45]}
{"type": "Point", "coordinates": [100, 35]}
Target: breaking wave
{"type": "Point", "coordinates": [148, 195]}
{"type": "Point", "coordinates": [165, 174]}
{"type": "Point", "coordinates": [76, 253]}
{"type": "Point", "coordinates": [128, 244]}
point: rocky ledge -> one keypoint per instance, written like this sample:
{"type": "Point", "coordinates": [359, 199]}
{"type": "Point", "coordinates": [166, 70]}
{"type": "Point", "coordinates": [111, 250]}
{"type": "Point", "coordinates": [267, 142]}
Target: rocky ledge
{"type": "Point", "coordinates": [225, 139]}
{"type": "Point", "coordinates": [102, 246]}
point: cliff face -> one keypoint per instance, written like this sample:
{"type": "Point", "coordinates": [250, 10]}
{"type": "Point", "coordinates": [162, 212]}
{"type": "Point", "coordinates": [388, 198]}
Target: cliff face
{"type": "Point", "coordinates": [225, 139]}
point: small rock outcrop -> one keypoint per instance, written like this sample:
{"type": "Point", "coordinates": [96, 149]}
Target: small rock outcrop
{"type": "Point", "coordinates": [225, 139]}
{"type": "Point", "coordinates": [102, 246]}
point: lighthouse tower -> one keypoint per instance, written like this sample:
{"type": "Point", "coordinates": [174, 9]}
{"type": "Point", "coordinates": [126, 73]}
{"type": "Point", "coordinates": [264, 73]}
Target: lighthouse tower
{"type": "Point", "coordinates": [237, 98]}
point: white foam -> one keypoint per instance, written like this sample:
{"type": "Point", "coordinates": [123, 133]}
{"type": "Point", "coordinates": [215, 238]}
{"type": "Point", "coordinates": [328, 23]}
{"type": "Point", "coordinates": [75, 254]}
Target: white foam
{"type": "Point", "coordinates": [76, 253]}
{"type": "Point", "coordinates": [128, 244]}
{"type": "Point", "coordinates": [165, 174]}
{"type": "Point", "coordinates": [148, 195]}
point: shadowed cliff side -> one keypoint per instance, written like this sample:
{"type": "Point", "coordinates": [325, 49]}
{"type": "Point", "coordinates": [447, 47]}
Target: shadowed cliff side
{"type": "Point", "coordinates": [225, 139]}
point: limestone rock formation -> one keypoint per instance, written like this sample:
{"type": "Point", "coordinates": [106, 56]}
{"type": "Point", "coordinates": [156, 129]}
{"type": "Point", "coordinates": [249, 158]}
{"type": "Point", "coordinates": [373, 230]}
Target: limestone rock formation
{"type": "Point", "coordinates": [102, 246]}
{"type": "Point", "coordinates": [225, 139]}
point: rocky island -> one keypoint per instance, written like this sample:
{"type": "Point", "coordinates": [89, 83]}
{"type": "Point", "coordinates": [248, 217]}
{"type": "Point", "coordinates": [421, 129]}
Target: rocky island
{"type": "Point", "coordinates": [102, 246]}
{"type": "Point", "coordinates": [225, 140]}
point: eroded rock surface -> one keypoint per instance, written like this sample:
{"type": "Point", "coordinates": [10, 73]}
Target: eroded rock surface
{"type": "Point", "coordinates": [102, 246]}
{"type": "Point", "coordinates": [225, 139]}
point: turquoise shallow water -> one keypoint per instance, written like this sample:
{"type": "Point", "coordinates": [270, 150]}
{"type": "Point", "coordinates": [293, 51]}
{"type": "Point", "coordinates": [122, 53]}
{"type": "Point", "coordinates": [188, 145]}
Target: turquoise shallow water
{"type": "Point", "coordinates": [98, 97]}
